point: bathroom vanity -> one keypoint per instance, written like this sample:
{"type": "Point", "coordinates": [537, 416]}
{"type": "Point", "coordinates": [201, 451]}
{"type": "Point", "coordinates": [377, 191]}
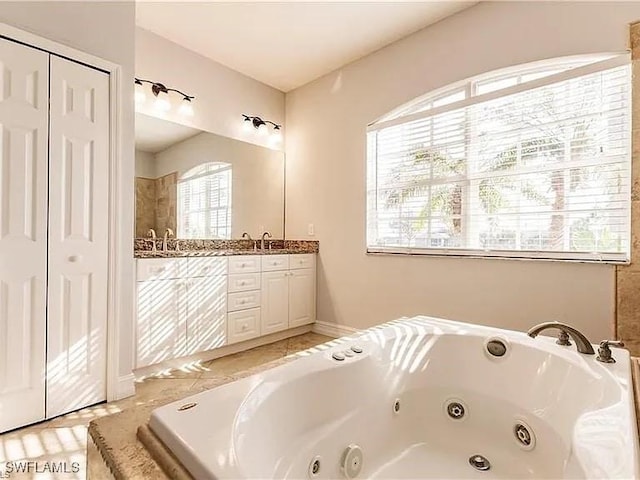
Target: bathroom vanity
{"type": "Point", "coordinates": [195, 301]}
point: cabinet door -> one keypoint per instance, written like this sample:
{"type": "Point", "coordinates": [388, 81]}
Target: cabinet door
{"type": "Point", "coordinates": [275, 302]}
{"type": "Point", "coordinates": [206, 313]}
{"type": "Point", "coordinates": [161, 321]}
{"type": "Point", "coordinates": [302, 297]}
{"type": "Point", "coordinates": [23, 233]}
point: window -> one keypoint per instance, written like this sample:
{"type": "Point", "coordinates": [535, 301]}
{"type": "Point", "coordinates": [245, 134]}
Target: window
{"type": "Point", "coordinates": [532, 162]}
{"type": "Point", "coordinates": [204, 202]}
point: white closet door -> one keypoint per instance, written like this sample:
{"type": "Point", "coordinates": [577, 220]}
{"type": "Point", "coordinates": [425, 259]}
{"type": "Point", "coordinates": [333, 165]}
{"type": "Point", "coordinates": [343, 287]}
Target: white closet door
{"type": "Point", "coordinates": [23, 232]}
{"type": "Point", "coordinates": [78, 228]}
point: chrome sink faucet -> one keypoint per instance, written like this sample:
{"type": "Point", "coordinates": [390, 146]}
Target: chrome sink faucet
{"type": "Point", "coordinates": [167, 233]}
{"type": "Point", "coordinates": [264, 235]}
{"type": "Point", "coordinates": [582, 343]}
{"type": "Point", "coordinates": [152, 235]}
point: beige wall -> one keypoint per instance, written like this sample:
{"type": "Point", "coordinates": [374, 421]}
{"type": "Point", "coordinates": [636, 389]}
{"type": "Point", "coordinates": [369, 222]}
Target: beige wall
{"type": "Point", "coordinates": [257, 179]}
{"type": "Point", "coordinates": [222, 95]}
{"type": "Point", "coordinates": [106, 30]}
{"type": "Point", "coordinates": [145, 164]}
{"type": "Point", "coordinates": [326, 123]}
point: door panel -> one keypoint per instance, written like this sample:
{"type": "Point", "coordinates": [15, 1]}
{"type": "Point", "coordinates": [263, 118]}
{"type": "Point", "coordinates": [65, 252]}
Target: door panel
{"type": "Point", "coordinates": [275, 302]}
{"type": "Point", "coordinates": [302, 297]}
{"type": "Point", "coordinates": [23, 232]}
{"type": "Point", "coordinates": [161, 321]}
{"type": "Point", "coordinates": [206, 313]}
{"type": "Point", "coordinates": [78, 231]}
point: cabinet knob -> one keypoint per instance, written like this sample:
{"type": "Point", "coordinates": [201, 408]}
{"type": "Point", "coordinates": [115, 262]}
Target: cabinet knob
{"type": "Point", "coordinates": [242, 282]}
{"type": "Point", "coordinates": [244, 327]}
{"type": "Point", "coordinates": [74, 258]}
{"type": "Point", "coordinates": [243, 264]}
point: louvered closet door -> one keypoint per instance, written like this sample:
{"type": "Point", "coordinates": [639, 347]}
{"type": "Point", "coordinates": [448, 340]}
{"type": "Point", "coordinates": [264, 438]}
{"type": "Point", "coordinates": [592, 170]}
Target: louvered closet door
{"type": "Point", "coordinates": [23, 232]}
{"type": "Point", "coordinates": [78, 228]}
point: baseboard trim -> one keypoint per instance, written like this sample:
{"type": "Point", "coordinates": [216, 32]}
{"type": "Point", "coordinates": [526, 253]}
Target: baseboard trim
{"type": "Point", "coordinates": [126, 386]}
{"type": "Point", "coordinates": [333, 329]}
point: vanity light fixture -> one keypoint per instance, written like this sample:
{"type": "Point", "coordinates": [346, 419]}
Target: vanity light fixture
{"type": "Point", "coordinates": [161, 92]}
{"type": "Point", "coordinates": [262, 127]}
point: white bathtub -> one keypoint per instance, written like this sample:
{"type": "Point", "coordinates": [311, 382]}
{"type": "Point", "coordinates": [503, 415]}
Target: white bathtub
{"type": "Point", "coordinates": [579, 413]}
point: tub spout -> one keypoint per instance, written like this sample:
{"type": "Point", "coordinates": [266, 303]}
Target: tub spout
{"type": "Point", "coordinates": [582, 343]}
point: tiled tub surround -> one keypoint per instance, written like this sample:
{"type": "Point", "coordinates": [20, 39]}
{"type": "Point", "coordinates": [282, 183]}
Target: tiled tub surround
{"type": "Point", "coordinates": [143, 247]}
{"type": "Point", "coordinates": [627, 319]}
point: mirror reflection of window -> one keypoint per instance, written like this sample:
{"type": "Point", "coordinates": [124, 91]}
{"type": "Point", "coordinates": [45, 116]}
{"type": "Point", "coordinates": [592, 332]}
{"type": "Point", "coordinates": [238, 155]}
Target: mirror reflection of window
{"type": "Point", "coordinates": [204, 201]}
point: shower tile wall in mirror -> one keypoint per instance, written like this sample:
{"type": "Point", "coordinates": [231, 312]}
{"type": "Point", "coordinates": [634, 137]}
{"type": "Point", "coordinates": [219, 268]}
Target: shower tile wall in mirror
{"type": "Point", "coordinates": [203, 185]}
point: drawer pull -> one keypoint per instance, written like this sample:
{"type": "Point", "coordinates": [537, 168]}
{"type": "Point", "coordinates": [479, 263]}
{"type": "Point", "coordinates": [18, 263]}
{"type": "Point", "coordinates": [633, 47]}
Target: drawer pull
{"type": "Point", "coordinates": [242, 302]}
{"type": "Point", "coordinates": [242, 265]}
{"type": "Point", "coordinates": [244, 327]}
{"type": "Point", "coordinates": [242, 282]}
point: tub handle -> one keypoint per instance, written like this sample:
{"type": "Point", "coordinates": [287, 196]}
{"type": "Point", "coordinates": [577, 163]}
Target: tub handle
{"type": "Point", "coordinates": [604, 352]}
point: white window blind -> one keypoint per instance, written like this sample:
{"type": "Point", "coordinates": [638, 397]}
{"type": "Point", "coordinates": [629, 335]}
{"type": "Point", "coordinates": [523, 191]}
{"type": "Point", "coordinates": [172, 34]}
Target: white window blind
{"type": "Point", "coordinates": [536, 165]}
{"type": "Point", "coordinates": [204, 202]}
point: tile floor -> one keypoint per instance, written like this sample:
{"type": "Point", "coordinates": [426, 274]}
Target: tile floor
{"type": "Point", "coordinates": [63, 439]}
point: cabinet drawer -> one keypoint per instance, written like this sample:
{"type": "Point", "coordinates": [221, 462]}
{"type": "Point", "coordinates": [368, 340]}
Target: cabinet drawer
{"type": "Point", "coordinates": [275, 262]}
{"type": "Point", "coordinates": [243, 325]}
{"type": "Point", "coordinates": [244, 282]}
{"type": "Point", "coordinates": [302, 260]}
{"type": "Point", "coordinates": [244, 264]}
{"type": "Point", "coordinates": [206, 266]}
{"type": "Point", "coordinates": [243, 300]}
{"type": "Point", "coordinates": [150, 269]}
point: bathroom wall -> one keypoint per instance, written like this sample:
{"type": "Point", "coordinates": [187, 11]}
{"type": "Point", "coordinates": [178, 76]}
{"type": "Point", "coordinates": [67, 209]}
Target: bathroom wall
{"type": "Point", "coordinates": [326, 155]}
{"type": "Point", "coordinates": [145, 164]}
{"type": "Point", "coordinates": [107, 30]}
{"type": "Point", "coordinates": [222, 95]}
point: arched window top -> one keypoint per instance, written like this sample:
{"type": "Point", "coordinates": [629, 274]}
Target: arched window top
{"type": "Point", "coordinates": [493, 81]}
{"type": "Point", "coordinates": [205, 169]}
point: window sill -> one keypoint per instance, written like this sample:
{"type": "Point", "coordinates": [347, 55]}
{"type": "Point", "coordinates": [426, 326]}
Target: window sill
{"type": "Point", "coordinates": [501, 255]}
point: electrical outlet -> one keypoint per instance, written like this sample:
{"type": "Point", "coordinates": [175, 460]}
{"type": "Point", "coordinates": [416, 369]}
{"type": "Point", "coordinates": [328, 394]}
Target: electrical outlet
{"type": "Point", "coordinates": [311, 229]}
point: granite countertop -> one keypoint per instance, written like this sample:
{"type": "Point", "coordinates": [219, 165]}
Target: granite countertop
{"type": "Point", "coordinates": [214, 253]}
{"type": "Point", "coordinates": [143, 247]}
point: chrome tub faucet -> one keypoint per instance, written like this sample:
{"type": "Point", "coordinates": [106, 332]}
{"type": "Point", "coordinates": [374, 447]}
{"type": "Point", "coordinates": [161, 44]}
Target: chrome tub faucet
{"type": "Point", "coordinates": [582, 343]}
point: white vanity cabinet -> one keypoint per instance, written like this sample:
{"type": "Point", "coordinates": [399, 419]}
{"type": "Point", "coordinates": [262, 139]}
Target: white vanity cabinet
{"type": "Point", "coordinates": [192, 304]}
{"type": "Point", "coordinates": [288, 291]}
{"type": "Point", "coordinates": [181, 307]}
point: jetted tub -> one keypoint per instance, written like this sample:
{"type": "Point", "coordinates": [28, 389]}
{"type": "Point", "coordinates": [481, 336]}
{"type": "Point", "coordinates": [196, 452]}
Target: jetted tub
{"type": "Point", "coordinates": [423, 398]}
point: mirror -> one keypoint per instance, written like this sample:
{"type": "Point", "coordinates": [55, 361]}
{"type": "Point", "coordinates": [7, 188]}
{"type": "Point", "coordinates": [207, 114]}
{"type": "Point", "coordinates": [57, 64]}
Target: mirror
{"type": "Point", "coordinates": [203, 185]}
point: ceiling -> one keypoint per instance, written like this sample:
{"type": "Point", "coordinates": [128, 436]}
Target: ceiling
{"type": "Point", "coordinates": [286, 45]}
{"type": "Point", "coordinates": [154, 135]}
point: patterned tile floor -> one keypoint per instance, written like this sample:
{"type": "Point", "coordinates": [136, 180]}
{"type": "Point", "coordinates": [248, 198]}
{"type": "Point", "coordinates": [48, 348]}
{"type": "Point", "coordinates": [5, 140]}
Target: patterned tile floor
{"type": "Point", "coordinates": [63, 439]}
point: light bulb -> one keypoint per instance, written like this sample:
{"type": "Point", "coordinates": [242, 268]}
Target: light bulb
{"type": "Point", "coordinates": [140, 96]}
{"type": "Point", "coordinates": [162, 104]}
{"type": "Point", "coordinates": [276, 136]}
{"type": "Point", "coordinates": [186, 108]}
{"type": "Point", "coordinates": [262, 129]}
